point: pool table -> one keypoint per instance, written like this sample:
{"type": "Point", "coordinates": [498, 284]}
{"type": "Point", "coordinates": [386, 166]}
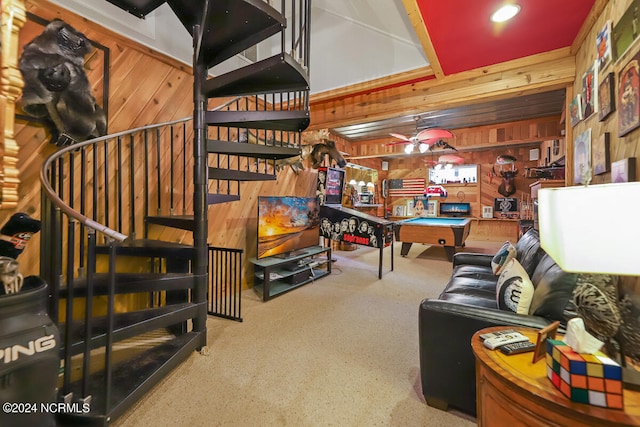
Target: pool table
{"type": "Point", "coordinates": [448, 232]}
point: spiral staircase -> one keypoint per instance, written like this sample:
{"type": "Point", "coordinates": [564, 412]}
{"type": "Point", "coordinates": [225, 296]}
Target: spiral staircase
{"type": "Point", "coordinates": [108, 203]}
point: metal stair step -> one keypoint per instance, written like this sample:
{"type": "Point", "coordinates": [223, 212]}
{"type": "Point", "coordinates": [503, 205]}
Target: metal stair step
{"type": "Point", "coordinates": [255, 22]}
{"type": "Point", "coordinates": [150, 248]}
{"type": "Point", "coordinates": [214, 199]}
{"type": "Point", "coordinates": [128, 283]}
{"type": "Point", "coordinates": [279, 73]}
{"type": "Point", "coordinates": [236, 175]}
{"type": "Point", "coordinates": [287, 120]}
{"type": "Point", "coordinates": [183, 222]}
{"type": "Point", "coordinates": [251, 150]}
{"type": "Point", "coordinates": [139, 8]}
{"type": "Point", "coordinates": [127, 325]}
{"type": "Point", "coordinates": [132, 379]}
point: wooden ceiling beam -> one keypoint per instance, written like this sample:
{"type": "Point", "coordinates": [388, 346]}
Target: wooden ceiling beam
{"type": "Point", "coordinates": [413, 11]}
{"type": "Point", "coordinates": [539, 73]}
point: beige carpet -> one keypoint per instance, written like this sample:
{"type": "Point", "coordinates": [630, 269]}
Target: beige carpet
{"type": "Point", "coordinates": [342, 351]}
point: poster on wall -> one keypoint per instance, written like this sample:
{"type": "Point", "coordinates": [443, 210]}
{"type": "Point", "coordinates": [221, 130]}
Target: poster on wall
{"type": "Point", "coordinates": [506, 207]}
{"type": "Point", "coordinates": [603, 46]}
{"type": "Point", "coordinates": [606, 96]}
{"type": "Point", "coordinates": [576, 111]}
{"type": "Point", "coordinates": [582, 157]}
{"type": "Point", "coordinates": [627, 29]}
{"type": "Point", "coordinates": [629, 96]}
{"type": "Point", "coordinates": [624, 170]}
{"type": "Point", "coordinates": [600, 154]}
{"type": "Point", "coordinates": [589, 89]}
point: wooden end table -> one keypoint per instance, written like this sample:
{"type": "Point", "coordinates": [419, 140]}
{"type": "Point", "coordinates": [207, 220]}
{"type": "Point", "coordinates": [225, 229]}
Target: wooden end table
{"type": "Point", "coordinates": [513, 391]}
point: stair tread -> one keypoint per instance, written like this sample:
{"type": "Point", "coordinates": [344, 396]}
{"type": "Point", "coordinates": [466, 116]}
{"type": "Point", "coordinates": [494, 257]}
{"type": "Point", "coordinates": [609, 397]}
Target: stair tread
{"type": "Point", "coordinates": [184, 222]}
{"type": "Point", "coordinates": [219, 173]}
{"type": "Point", "coordinates": [150, 248]}
{"type": "Point", "coordinates": [213, 199]}
{"type": "Point", "coordinates": [139, 8]}
{"type": "Point", "coordinates": [134, 377]}
{"type": "Point", "coordinates": [279, 73]}
{"type": "Point", "coordinates": [131, 283]}
{"type": "Point", "coordinates": [286, 120]}
{"type": "Point", "coordinates": [259, 21]}
{"type": "Point", "coordinates": [251, 150]}
{"type": "Point", "coordinates": [127, 325]}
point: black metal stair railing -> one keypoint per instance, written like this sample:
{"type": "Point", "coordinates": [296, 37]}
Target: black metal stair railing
{"type": "Point", "coordinates": [95, 198]}
{"type": "Point", "coordinates": [225, 283]}
{"type": "Point", "coordinates": [101, 198]}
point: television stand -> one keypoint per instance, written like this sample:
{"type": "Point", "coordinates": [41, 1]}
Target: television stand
{"type": "Point", "coordinates": [276, 275]}
{"type": "Point", "coordinates": [291, 254]}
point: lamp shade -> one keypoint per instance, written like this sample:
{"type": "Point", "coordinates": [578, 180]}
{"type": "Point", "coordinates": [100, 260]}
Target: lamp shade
{"type": "Point", "coordinates": [591, 229]}
{"type": "Point", "coordinates": [370, 185]}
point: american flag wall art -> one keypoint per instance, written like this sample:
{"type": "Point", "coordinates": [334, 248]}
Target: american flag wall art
{"type": "Point", "coordinates": [406, 187]}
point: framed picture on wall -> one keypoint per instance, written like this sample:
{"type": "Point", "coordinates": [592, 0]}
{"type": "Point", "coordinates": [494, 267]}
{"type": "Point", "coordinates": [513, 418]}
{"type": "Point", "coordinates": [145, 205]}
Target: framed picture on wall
{"type": "Point", "coordinates": [399, 210]}
{"type": "Point", "coordinates": [410, 208]}
{"type": "Point", "coordinates": [606, 96]}
{"type": "Point", "coordinates": [582, 157]}
{"type": "Point", "coordinates": [629, 96]}
{"type": "Point", "coordinates": [432, 208]}
{"type": "Point", "coordinates": [600, 154]}
{"type": "Point", "coordinates": [626, 30]}
{"type": "Point", "coordinates": [624, 170]}
{"type": "Point", "coordinates": [575, 109]}
{"type": "Point", "coordinates": [589, 91]}
{"type": "Point", "coordinates": [603, 46]}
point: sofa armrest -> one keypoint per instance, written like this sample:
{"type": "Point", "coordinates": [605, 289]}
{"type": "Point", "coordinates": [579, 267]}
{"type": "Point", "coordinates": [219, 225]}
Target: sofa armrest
{"type": "Point", "coordinates": [447, 363]}
{"type": "Point", "coordinates": [471, 258]}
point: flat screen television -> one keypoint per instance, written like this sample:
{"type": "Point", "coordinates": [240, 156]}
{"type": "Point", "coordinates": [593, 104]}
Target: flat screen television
{"type": "Point", "coordinates": [455, 209]}
{"type": "Point", "coordinates": [287, 225]}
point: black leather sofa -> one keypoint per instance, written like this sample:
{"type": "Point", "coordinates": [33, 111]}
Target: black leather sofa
{"type": "Point", "coordinates": [468, 304]}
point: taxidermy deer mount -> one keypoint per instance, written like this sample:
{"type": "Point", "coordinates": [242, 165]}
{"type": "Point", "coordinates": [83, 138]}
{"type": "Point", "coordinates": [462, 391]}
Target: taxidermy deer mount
{"type": "Point", "coordinates": [508, 185]}
{"type": "Point", "coordinates": [316, 146]}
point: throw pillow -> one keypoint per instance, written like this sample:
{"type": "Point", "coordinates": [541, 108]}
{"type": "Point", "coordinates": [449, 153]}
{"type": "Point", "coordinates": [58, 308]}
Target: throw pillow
{"type": "Point", "coordinates": [505, 254]}
{"type": "Point", "coordinates": [514, 290]}
{"type": "Point", "coordinates": [595, 297]}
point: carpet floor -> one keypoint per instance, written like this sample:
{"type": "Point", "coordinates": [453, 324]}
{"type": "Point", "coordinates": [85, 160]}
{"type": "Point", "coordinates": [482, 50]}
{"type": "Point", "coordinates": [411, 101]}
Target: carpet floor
{"type": "Point", "coordinates": [341, 351]}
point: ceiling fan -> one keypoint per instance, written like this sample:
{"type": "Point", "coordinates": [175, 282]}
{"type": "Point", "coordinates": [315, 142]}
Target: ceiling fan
{"type": "Point", "coordinates": [423, 140]}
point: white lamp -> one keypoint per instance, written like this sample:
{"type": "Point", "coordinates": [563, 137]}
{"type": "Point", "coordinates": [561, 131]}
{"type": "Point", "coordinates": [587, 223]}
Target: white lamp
{"type": "Point", "coordinates": [408, 148]}
{"type": "Point", "coordinates": [353, 182]}
{"type": "Point", "coordinates": [370, 184]}
{"type": "Point", "coordinates": [587, 229]}
{"type": "Point", "coordinates": [423, 147]}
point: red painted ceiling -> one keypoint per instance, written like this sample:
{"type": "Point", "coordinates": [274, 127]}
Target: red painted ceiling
{"type": "Point", "coordinates": [464, 38]}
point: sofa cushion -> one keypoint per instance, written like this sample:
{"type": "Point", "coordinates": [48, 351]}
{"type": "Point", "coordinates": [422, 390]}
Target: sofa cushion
{"type": "Point", "coordinates": [505, 254]}
{"type": "Point", "coordinates": [529, 251]}
{"type": "Point", "coordinates": [514, 289]}
{"type": "Point", "coordinates": [554, 289]}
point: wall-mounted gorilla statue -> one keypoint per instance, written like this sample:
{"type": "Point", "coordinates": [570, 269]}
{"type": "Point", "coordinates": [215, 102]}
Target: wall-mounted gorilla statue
{"type": "Point", "coordinates": [56, 86]}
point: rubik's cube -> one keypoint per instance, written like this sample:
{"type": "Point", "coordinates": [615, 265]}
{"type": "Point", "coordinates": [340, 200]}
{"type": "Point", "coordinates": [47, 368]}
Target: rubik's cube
{"type": "Point", "coordinates": [587, 378]}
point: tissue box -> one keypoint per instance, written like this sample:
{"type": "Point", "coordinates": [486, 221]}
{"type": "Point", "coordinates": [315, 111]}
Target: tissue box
{"type": "Point", "coordinates": [587, 378]}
